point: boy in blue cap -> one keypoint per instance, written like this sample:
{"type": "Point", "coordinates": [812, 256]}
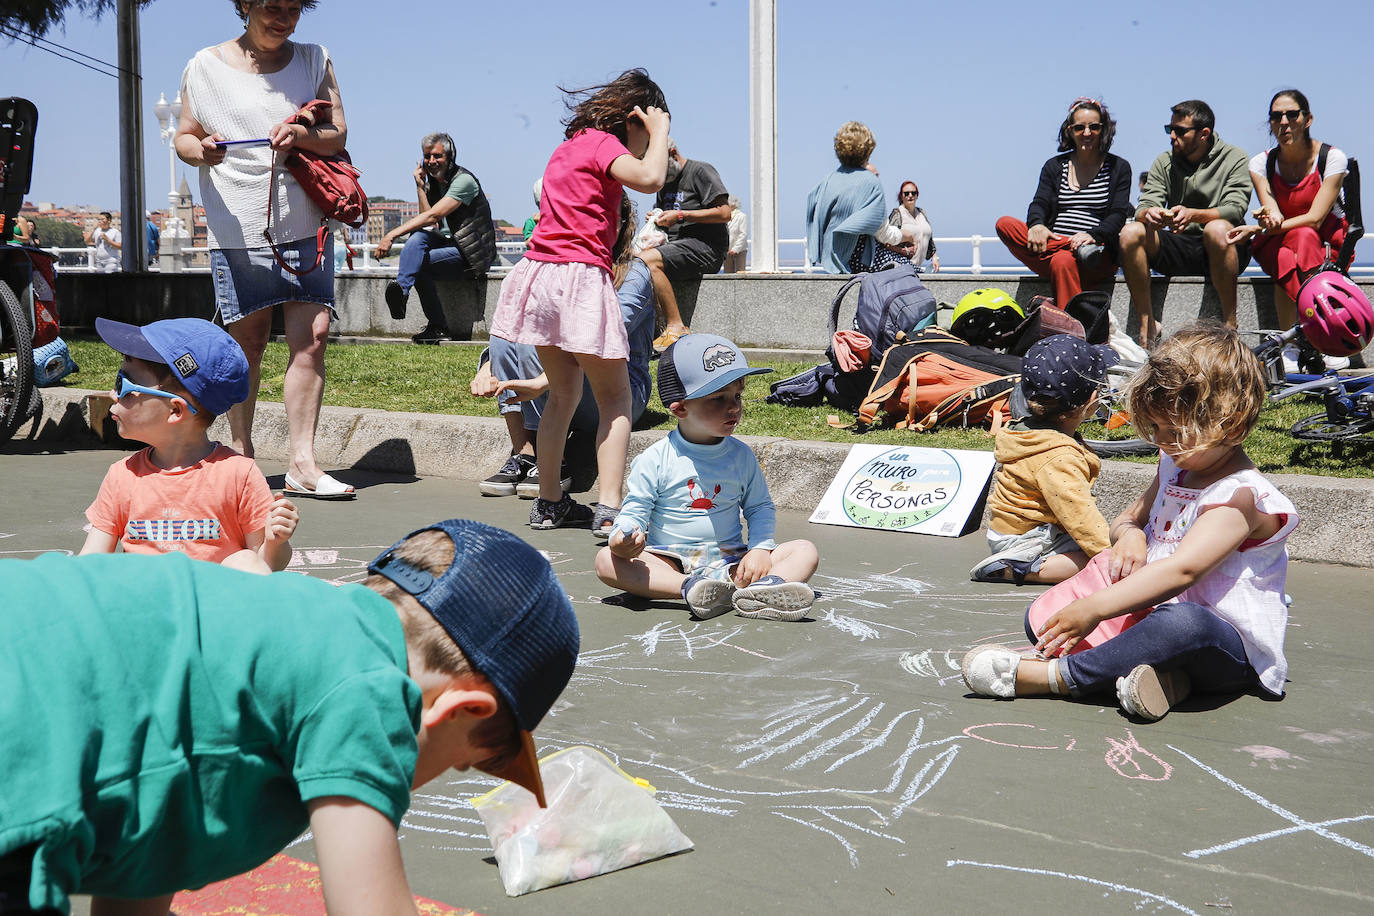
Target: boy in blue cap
{"type": "Point", "coordinates": [679, 532]}
{"type": "Point", "coordinates": [1043, 523]}
{"type": "Point", "coordinates": [170, 723]}
{"type": "Point", "coordinates": [185, 493]}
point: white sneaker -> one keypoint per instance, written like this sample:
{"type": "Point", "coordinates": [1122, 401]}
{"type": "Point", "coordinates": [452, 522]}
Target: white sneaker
{"type": "Point", "coordinates": [1336, 363]}
{"type": "Point", "coordinates": [770, 598]}
{"type": "Point", "coordinates": [990, 671]}
{"type": "Point", "coordinates": [1290, 360]}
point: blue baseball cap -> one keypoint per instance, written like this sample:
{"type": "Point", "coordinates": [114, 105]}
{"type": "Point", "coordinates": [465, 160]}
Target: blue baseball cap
{"type": "Point", "coordinates": [501, 603]}
{"type": "Point", "coordinates": [1065, 368]}
{"type": "Point", "coordinates": [697, 365]}
{"type": "Point", "coordinates": [208, 362]}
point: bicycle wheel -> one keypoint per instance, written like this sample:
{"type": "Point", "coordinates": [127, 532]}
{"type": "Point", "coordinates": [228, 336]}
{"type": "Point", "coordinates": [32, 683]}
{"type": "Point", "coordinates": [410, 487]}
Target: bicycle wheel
{"type": "Point", "coordinates": [1320, 428]}
{"type": "Point", "coordinates": [1121, 448]}
{"type": "Point", "coordinates": [16, 365]}
{"type": "Point", "coordinates": [1098, 434]}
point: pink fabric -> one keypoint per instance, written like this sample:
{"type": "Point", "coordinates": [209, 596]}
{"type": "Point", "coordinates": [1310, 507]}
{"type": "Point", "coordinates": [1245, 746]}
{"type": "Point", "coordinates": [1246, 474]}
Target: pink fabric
{"type": "Point", "coordinates": [1091, 578]}
{"type": "Point", "coordinates": [851, 350]}
{"type": "Point", "coordinates": [572, 306]}
{"type": "Point", "coordinates": [579, 204]}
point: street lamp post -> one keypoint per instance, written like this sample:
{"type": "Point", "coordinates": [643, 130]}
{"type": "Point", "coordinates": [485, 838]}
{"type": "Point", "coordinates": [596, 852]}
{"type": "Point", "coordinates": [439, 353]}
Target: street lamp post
{"type": "Point", "coordinates": [168, 117]}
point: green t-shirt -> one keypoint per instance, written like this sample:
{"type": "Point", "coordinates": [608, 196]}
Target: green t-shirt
{"type": "Point", "coordinates": [165, 720]}
{"type": "Point", "coordinates": [463, 188]}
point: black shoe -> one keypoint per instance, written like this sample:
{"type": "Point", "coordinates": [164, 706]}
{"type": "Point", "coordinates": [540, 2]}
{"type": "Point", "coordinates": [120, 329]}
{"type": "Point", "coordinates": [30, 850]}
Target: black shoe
{"type": "Point", "coordinates": [562, 514]}
{"type": "Point", "coordinates": [503, 482]}
{"type": "Point", "coordinates": [396, 300]}
{"type": "Point", "coordinates": [432, 334]}
{"type": "Point", "coordinates": [529, 487]}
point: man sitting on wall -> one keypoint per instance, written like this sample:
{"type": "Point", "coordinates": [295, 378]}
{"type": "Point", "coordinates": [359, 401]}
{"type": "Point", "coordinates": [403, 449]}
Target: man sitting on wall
{"type": "Point", "coordinates": [452, 237]}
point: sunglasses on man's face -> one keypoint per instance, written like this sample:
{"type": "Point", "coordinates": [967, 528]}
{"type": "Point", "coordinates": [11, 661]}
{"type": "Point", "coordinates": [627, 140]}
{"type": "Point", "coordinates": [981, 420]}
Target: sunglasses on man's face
{"type": "Point", "coordinates": [1179, 129]}
{"type": "Point", "coordinates": [1092, 128]}
{"type": "Point", "coordinates": [124, 387]}
{"type": "Point", "coordinates": [1293, 114]}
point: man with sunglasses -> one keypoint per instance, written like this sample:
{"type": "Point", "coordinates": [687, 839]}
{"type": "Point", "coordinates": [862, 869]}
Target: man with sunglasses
{"type": "Point", "coordinates": [452, 237]}
{"type": "Point", "coordinates": [1194, 195]}
{"type": "Point", "coordinates": [184, 493]}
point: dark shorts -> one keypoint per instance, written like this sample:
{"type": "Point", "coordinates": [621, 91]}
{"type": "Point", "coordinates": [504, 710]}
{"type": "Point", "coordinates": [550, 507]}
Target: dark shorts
{"type": "Point", "coordinates": [686, 259]}
{"type": "Point", "coordinates": [1181, 254]}
{"type": "Point", "coordinates": [16, 871]}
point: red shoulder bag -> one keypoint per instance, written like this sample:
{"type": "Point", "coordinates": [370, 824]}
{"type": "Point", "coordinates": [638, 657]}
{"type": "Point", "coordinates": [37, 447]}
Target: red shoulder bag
{"type": "Point", "coordinates": [330, 181]}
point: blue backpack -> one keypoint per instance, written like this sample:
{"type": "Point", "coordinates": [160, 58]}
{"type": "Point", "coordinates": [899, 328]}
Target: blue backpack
{"type": "Point", "coordinates": [893, 304]}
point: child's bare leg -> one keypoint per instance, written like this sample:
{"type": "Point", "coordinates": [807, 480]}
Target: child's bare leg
{"type": "Point", "coordinates": [647, 575]}
{"type": "Point", "coordinates": [247, 561]}
{"type": "Point", "coordinates": [610, 381]}
{"type": "Point", "coordinates": [1033, 678]}
{"type": "Point", "coordinates": [1058, 567]}
{"type": "Point", "coordinates": [565, 390]}
{"type": "Point", "coordinates": [795, 561]}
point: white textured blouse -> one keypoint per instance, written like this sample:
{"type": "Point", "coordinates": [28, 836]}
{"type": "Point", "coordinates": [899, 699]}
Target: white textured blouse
{"type": "Point", "coordinates": [239, 105]}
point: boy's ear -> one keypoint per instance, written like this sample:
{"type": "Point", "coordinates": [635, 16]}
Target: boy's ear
{"type": "Point", "coordinates": [678, 409]}
{"type": "Point", "coordinates": [180, 411]}
{"type": "Point", "coordinates": [460, 697]}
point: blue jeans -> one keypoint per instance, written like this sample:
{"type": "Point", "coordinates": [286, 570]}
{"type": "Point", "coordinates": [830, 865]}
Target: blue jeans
{"type": "Point", "coordinates": [1172, 636]}
{"type": "Point", "coordinates": [426, 257]}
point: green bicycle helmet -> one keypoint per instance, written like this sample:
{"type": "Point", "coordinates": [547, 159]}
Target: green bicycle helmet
{"type": "Point", "coordinates": [985, 316]}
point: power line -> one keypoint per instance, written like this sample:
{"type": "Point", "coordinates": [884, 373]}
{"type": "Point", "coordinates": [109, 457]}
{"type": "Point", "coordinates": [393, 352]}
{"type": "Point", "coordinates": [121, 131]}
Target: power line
{"type": "Point", "coordinates": [33, 40]}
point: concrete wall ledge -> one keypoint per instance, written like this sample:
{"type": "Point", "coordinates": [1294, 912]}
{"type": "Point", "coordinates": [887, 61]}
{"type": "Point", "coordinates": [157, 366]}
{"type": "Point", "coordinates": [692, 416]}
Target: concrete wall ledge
{"type": "Point", "coordinates": [1337, 513]}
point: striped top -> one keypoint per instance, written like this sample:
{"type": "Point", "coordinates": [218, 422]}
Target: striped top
{"type": "Point", "coordinates": [1081, 210]}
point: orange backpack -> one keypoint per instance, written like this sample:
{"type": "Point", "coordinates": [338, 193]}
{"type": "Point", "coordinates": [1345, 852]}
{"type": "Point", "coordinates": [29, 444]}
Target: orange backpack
{"type": "Point", "coordinates": [938, 380]}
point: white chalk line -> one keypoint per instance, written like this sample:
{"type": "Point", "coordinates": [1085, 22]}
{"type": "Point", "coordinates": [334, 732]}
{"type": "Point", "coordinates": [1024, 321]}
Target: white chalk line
{"type": "Point", "coordinates": [876, 741]}
{"type": "Point", "coordinates": [1302, 824]}
{"type": "Point", "coordinates": [804, 736]}
{"type": "Point", "coordinates": [825, 746]}
{"type": "Point", "coordinates": [848, 847]}
{"type": "Point", "coordinates": [790, 723]}
{"type": "Point", "coordinates": [914, 789]}
{"type": "Point", "coordinates": [801, 711]}
{"type": "Point", "coordinates": [1110, 885]}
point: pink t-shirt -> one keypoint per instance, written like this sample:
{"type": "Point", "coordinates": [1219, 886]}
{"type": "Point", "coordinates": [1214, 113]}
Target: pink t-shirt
{"type": "Point", "coordinates": [579, 205]}
{"type": "Point", "coordinates": [205, 511]}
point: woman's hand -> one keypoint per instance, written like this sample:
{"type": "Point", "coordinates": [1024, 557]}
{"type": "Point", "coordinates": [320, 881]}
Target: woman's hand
{"type": "Point", "coordinates": [935, 263]}
{"type": "Point", "coordinates": [1079, 239]}
{"type": "Point", "coordinates": [1241, 233]}
{"type": "Point", "coordinates": [285, 135]}
{"type": "Point", "coordinates": [1065, 629]}
{"type": "Point", "coordinates": [1037, 238]}
{"type": "Point", "coordinates": [1269, 220]}
{"type": "Point", "coordinates": [210, 153]}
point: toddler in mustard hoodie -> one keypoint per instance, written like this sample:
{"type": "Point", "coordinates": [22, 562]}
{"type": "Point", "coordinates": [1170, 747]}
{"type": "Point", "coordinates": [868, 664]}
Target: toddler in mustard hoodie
{"type": "Point", "coordinates": [1044, 524]}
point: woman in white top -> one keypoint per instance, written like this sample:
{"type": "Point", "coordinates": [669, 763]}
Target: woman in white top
{"type": "Point", "coordinates": [244, 89]}
{"type": "Point", "coordinates": [1298, 184]}
{"type": "Point", "coordinates": [916, 229]}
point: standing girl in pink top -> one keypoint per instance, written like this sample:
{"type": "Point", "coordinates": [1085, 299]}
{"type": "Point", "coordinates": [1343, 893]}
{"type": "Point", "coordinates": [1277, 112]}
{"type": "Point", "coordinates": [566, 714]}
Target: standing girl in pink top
{"type": "Point", "coordinates": [560, 297]}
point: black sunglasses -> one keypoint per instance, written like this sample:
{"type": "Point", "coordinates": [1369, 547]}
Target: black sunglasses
{"type": "Point", "coordinates": [1091, 128]}
{"type": "Point", "coordinates": [1179, 129]}
{"type": "Point", "coordinates": [908, 193]}
{"type": "Point", "coordinates": [1292, 114]}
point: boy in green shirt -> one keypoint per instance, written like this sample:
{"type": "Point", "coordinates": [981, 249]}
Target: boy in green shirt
{"type": "Point", "coordinates": [204, 717]}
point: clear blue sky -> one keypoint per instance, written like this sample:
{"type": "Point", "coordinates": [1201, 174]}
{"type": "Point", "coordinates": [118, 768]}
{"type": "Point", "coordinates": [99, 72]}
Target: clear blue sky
{"type": "Point", "coordinates": [964, 98]}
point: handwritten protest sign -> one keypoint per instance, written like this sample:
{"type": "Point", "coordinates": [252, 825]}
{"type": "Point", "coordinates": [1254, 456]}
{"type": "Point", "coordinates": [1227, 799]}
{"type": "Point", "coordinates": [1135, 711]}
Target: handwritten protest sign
{"type": "Point", "coordinates": [904, 488]}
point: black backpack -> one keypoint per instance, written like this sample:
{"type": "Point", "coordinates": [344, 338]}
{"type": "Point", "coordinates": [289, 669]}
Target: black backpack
{"type": "Point", "coordinates": [893, 304]}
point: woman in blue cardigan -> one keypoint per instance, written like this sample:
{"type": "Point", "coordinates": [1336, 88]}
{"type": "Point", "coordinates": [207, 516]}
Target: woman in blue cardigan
{"type": "Point", "coordinates": [845, 213]}
{"type": "Point", "coordinates": [1082, 201]}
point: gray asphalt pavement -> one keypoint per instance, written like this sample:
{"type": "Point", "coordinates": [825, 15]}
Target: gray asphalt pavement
{"type": "Point", "coordinates": [838, 765]}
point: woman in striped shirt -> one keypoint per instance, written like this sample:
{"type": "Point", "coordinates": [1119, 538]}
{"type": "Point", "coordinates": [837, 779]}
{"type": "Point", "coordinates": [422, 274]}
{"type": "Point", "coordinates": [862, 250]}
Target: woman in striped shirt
{"type": "Point", "coordinates": [1082, 201]}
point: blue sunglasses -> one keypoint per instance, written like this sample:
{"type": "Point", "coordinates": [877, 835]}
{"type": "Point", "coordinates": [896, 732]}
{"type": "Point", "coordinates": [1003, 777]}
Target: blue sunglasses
{"type": "Point", "coordinates": [123, 386]}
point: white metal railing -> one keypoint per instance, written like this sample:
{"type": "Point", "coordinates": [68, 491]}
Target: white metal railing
{"type": "Point", "coordinates": [365, 261]}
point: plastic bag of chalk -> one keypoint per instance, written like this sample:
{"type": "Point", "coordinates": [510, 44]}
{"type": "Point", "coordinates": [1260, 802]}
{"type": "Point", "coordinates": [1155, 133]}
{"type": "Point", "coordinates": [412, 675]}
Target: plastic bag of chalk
{"type": "Point", "coordinates": [599, 819]}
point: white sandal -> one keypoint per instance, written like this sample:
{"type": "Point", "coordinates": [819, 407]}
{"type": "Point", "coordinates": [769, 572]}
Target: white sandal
{"type": "Point", "coordinates": [325, 488]}
{"type": "Point", "coordinates": [990, 671]}
{"type": "Point", "coordinates": [1149, 694]}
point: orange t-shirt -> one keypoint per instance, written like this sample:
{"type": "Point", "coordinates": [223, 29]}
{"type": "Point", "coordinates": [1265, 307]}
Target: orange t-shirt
{"type": "Point", "coordinates": [205, 511]}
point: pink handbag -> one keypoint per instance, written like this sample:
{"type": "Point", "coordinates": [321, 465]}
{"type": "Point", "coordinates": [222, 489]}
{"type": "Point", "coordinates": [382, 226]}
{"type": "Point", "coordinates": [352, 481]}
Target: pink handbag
{"type": "Point", "coordinates": [1091, 578]}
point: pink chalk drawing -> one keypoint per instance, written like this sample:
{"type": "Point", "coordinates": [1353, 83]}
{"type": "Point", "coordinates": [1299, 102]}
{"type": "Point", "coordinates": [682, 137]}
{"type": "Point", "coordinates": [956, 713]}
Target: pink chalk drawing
{"type": "Point", "coordinates": [973, 731]}
{"type": "Point", "coordinates": [1132, 761]}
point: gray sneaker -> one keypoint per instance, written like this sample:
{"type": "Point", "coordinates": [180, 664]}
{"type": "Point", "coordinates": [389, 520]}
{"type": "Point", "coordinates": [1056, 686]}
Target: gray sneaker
{"type": "Point", "coordinates": [771, 598]}
{"type": "Point", "coordinates": [504, 481]}
{"type": "Point", "coordinates": [707, 598]}
{"type": "Point", "coordinates": [529, 487]}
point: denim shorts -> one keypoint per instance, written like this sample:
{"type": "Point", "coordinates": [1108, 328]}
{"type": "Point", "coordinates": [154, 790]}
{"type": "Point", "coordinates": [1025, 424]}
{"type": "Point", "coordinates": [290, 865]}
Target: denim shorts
{"type": "Point", "coordinates": [248, 279]}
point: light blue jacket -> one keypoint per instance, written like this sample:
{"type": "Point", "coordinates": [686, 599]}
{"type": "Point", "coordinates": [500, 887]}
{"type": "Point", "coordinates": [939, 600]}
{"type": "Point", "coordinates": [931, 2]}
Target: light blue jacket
{"type": "Point", "coordinates": [845, 208]}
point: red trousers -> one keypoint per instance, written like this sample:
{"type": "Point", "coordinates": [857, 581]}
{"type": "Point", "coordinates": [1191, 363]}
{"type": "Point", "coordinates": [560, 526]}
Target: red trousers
{"type": "Point", "coordinates": [1057, 263]}
{"type": "Point", "coordinates": [1291, 257]}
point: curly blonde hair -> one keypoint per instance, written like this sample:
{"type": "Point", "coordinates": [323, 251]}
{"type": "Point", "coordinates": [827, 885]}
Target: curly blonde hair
{"type": "Point", "coordinates": [854, 143]}
{"type": "Point", "coordinates": [1204, 384]}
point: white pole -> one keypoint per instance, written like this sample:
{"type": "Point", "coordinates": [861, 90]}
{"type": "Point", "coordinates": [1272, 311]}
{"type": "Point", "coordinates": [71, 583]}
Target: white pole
{"type": "Point", "coordinates": [763, 135]}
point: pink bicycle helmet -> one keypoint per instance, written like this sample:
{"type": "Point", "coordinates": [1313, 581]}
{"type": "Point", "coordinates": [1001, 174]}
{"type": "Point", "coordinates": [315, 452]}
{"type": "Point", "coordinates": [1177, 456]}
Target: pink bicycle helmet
{"type": "Point", "coordinates": [1335, 315]}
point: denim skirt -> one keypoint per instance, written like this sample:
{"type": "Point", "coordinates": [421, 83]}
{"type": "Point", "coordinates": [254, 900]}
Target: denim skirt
{"type": "Point", "coordinates": [248, 279]}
